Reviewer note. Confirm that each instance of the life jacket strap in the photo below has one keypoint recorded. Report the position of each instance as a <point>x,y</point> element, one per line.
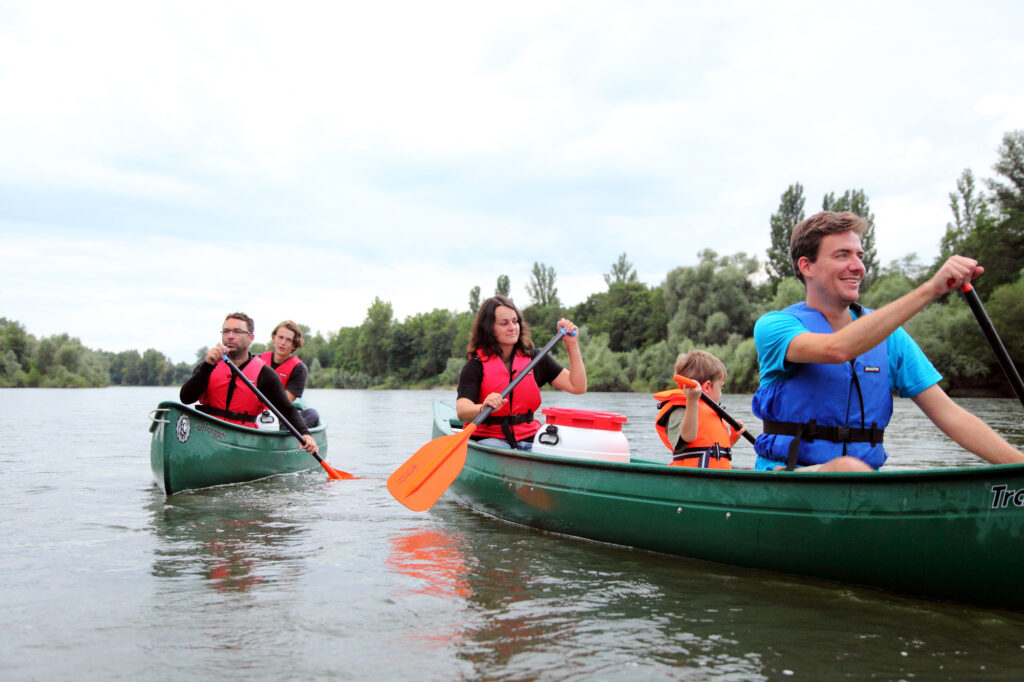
<point>506,422</point>
<point>838,434</point>
<point>510,419</point>
<point>812,430</point>
<point>704,455</point>
<point>227,414</point>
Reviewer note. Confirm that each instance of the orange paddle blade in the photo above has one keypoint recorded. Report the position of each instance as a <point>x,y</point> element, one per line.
<point>424,477</point>
<point>333,473</point>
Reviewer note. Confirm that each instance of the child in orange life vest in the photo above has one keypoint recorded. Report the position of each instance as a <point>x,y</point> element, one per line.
<point>697,437</point>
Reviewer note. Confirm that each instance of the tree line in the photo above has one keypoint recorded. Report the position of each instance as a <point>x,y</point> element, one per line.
<point>631,333</point>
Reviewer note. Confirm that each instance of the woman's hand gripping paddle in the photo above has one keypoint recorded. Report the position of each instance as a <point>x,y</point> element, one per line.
<point>684,382</point>
<point>424,477</point>
<point>331,471</point>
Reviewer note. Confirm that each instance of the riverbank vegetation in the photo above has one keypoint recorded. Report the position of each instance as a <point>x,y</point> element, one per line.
<point>631,333</point>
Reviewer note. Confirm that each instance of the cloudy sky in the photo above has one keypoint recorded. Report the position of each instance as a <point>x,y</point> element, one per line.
<point>163,164</point>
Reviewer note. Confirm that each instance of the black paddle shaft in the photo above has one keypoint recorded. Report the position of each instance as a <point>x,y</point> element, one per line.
<point>724,415</point>
<point>295,431</point>
<point>987,328</point>
<point>486,412</point>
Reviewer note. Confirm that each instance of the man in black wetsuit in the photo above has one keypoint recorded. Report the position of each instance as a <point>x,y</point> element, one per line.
<point>223,395</point>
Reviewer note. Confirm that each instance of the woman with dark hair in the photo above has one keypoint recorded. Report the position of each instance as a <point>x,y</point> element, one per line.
<point>499,348</point>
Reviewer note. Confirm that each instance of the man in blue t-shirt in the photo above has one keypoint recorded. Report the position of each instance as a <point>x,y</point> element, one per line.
<point>828,369</point>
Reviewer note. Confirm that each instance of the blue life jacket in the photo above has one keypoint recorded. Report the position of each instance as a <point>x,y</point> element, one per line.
<point>826,411</point>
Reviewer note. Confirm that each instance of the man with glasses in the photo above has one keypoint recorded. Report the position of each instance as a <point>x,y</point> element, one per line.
<point>222,395</point>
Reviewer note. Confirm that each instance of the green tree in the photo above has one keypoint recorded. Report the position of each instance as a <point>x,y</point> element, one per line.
<point>622,272</point>
<point>375,335</point>
<point>694,294</point>
<point>970,208</point>
<point>999,242</point>
<point>857,202</point>
<point>474,299</point>
<point>630,313</point>
<point>14,338</point>
<point>541,287</point>
<point>502,287</point>
<point>791,211</point>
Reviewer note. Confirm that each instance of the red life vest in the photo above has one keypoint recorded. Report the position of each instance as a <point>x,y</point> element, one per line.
<point>245,406</point>
<point>284,370</point>
<point>522,401</point>
<point>713,434</point>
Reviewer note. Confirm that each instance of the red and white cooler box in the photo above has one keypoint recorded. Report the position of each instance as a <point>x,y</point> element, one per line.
<point>582,434</point>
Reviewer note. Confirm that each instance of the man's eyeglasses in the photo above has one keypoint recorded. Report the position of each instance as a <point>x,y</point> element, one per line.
<point>238,332</point>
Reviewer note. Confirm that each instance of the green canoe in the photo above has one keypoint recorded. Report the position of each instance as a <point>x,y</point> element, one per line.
<point>192,450</point>
<point>952,534</point>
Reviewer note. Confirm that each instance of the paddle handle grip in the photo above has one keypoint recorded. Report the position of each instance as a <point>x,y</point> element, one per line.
<point>719,410</point>
<point>486,412</point>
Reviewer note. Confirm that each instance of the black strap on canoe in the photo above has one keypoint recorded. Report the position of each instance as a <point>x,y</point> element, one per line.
<point>227,414</point>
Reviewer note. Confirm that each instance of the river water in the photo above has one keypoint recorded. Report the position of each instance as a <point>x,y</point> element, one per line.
<point>299,578</point>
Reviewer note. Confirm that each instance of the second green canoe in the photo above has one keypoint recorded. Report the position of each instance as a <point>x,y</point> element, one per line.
<point>191,450</point>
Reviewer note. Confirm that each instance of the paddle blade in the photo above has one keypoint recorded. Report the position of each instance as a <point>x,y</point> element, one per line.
<point>424,477</point>
<point>334,474</point>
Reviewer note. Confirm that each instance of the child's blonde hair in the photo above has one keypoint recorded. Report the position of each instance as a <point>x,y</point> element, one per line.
<point>701,366</point>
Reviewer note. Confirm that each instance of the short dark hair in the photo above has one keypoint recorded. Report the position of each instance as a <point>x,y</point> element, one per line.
<point>808,233</point>
<point>242,316</point>
<point>482,336</point>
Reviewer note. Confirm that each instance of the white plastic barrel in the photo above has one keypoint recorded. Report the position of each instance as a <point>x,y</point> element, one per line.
<point>582,434</point>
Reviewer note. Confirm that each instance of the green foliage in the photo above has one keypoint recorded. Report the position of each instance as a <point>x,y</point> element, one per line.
<point>886,290</point>
<point>1006,309</point>
<point>502,287</point>
<point>694,294</point>
<point>622,272</point>
<point>543,321</point>
<point>969,207</point>
<point>790,291</point>
<point>541,287</point>
<point>949,335</point>
<point>474,299</point>
<point>630,313</point>
<point>375,337</point>
<point>791,211</point>
<point>605,370</point>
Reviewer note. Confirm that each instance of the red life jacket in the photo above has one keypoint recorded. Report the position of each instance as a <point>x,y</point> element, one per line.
<point>284,370</point>
<point>517,415</point>
<point>714,436</point>
<point>244,406</point>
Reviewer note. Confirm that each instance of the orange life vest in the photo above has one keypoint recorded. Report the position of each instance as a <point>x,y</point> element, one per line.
<point>517,414</point>
<point>284,370</point>
<point>244,406</point>
<point>714,436</point>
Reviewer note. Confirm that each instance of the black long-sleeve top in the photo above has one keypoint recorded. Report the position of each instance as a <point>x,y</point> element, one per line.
<point>267,382</point>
